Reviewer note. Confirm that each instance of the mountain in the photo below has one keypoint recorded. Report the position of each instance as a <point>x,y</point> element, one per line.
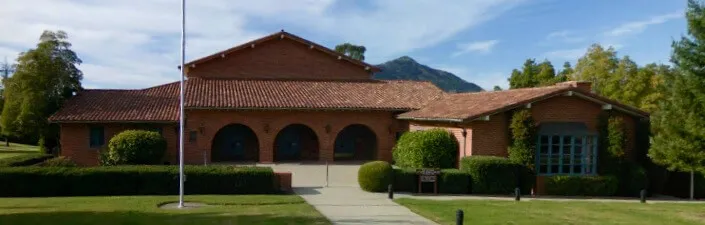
<point>406,68</point>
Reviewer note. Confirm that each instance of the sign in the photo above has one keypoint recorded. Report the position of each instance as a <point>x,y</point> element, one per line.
<point>428,176</point>
<point>428,172</point>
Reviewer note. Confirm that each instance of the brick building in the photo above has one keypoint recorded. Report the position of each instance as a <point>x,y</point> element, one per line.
<point>282,98</point>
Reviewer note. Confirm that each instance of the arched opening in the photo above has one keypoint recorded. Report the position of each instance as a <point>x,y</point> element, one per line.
<point>235,142</point>
<point>296,142</point>
<point>356,142</point>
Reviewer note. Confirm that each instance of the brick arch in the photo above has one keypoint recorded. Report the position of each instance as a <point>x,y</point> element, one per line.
<point>296,142</point>
<point>235,142</point>
<point>355,142</point>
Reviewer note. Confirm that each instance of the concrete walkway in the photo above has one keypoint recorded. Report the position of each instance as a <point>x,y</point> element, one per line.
<point>352,206</point>
<point>339,198</point>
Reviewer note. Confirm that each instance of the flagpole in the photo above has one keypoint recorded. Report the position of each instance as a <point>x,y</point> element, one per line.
<point>181,106</point>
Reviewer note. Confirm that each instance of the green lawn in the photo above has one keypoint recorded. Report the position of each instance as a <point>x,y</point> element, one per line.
<point>225,209</point>
<point>16,149</point>
<point>555,212</point>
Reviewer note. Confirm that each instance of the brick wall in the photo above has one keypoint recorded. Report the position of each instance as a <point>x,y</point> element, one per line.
<point>75,140</point>
<point>267,124</point>
<point>280,59</point>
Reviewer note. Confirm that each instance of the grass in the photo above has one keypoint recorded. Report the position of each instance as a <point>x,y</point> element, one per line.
<point>16,149</point>
<point>556,212</point>
<point>225,209</point>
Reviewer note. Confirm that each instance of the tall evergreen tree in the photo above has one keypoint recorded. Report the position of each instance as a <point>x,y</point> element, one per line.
<point>526,77</point>
<point>679,122</point>
<point>44,77</point>
<point>565,73</point>
<point>547,74</point>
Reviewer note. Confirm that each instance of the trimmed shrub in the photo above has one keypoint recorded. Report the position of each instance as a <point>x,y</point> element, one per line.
<point>24,160</point>
<point>454,181</point>
<point>133,180</point>
<point>405,180</point>
<point>375,176</point>
<point>496,175</point>
<point>61,161</point>
<point>581,185</point>
<point>136,147</point>
<point>434,148</point>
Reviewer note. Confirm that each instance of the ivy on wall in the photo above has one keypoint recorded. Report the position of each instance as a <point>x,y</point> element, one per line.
<point>523,138</point>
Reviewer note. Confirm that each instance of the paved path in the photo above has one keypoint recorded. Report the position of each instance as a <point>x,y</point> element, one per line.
<point>352,206</point>
<point>342,201</point>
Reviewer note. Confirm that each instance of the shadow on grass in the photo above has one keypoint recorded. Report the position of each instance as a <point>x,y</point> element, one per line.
<point>19,151</point>
<point>151,218</point>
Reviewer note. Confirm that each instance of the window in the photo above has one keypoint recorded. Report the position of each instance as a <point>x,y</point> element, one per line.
<point>192,135</point>
<point>566,150</point>
<point>97,136</point>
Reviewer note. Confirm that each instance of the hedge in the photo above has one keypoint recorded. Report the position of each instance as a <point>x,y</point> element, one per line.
<point>581,185</point>
<point>133,180</point>
<point>632,179</point>
<point>61,161</point>
<point>375,176</point>
<point>136,147</point>
<point>496,175</point>
<point>434,148</point>
<point>405,180</point>
<point>24,160</point>
<point>454,181</point>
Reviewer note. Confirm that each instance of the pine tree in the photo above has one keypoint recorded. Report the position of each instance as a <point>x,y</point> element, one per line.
<point>679,122</point>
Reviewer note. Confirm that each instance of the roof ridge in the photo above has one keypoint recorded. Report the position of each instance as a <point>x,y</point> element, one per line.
<point>291,36</point>
<point>517,89</point>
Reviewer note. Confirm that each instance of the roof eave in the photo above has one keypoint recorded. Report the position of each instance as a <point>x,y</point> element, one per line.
<point>454,120</point>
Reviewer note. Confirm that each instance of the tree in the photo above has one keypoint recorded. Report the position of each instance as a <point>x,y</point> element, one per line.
<point>596,66</point>
<point>679,122</point>
<point>44,77</point>
<point>353,51</point>
<point>533,75</point>
<point>566,72</point>
<point>526,77</point>
<point>546,75</point>
<point>497,88</point>
<point>5,70</point>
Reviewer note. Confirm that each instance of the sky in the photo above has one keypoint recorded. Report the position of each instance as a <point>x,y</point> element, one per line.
<point>135,43</point>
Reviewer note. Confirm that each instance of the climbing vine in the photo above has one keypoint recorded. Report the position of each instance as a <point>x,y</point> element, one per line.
<point>523,138</point>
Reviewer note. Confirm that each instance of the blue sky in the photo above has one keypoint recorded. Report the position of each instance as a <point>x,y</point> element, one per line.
<point>134,43</point>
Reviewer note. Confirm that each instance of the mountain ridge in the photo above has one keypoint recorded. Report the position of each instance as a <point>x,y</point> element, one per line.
<point>406,68</point>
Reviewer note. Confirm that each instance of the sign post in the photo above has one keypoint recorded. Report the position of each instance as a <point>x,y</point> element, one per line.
<point>428,176</point>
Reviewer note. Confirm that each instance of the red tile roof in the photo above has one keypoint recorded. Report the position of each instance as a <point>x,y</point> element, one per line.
<point>160,103</point>
<point>469,106</point>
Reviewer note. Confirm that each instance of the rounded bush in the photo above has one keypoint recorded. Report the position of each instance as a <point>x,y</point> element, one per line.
<point>435,148</point>
<point>375,176</point>
<point>136,147</point>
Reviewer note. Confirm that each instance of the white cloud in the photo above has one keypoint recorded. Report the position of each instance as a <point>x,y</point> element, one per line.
<point>565,54</point>
<point>135,43</point>
<point>478,46</point>
<point>639,26</point>
<point>566,36</point>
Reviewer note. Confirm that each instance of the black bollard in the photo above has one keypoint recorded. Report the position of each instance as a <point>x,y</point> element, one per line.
<point>642,196</point>
<point>390,191</point>
<point>517,194</point>
<point>459,217</point>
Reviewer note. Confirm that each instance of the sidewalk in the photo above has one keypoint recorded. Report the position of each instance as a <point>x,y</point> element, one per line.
<point>352,206</point>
